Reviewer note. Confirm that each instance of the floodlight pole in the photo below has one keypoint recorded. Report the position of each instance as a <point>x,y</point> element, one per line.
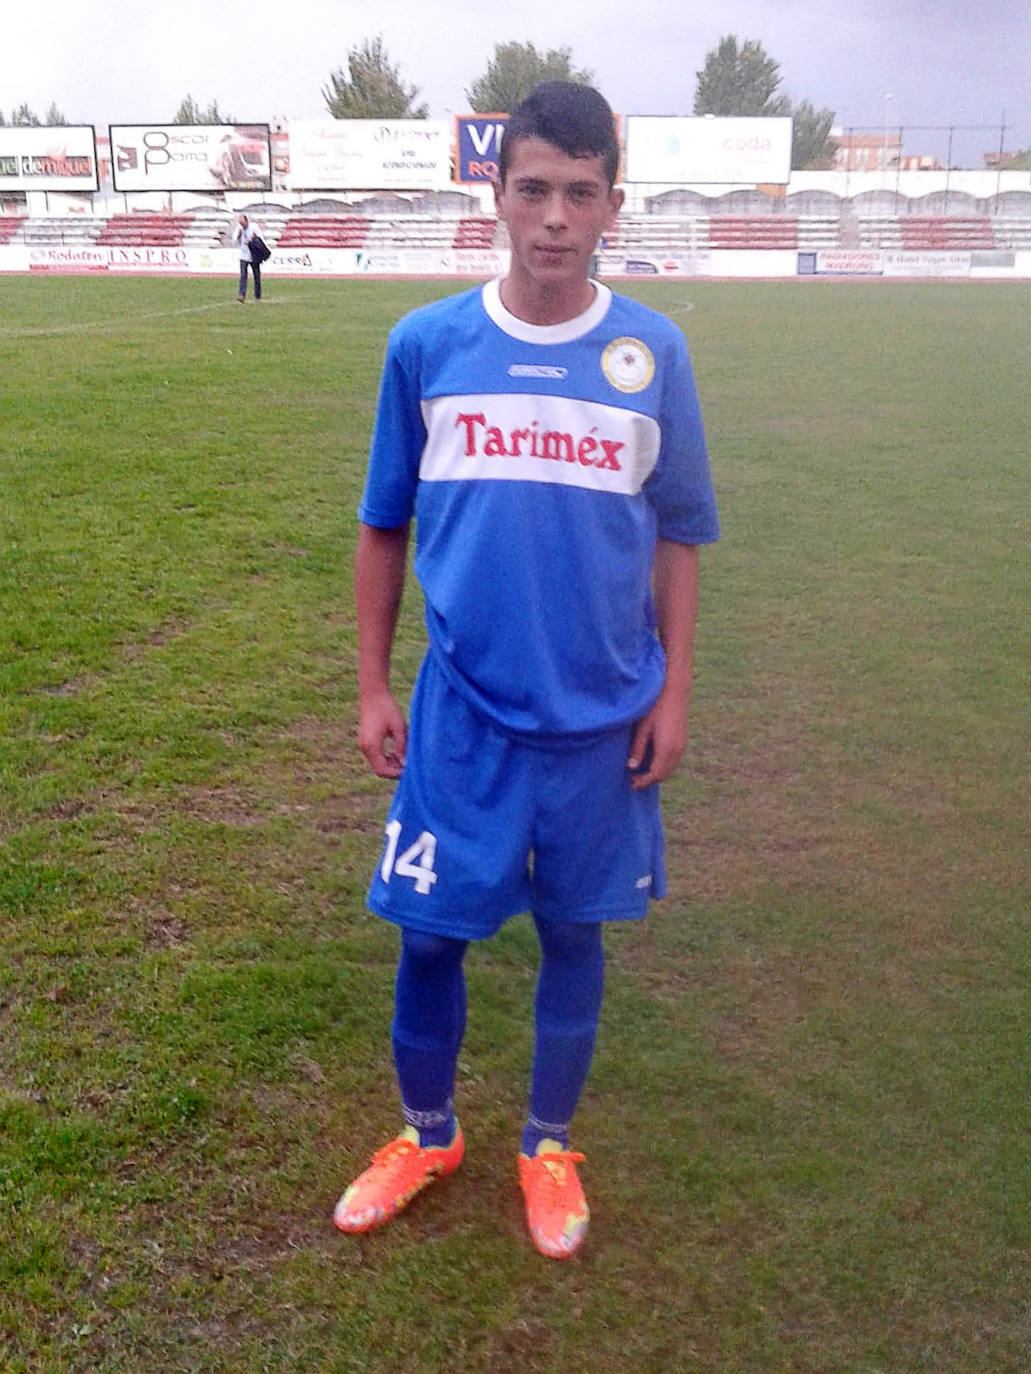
<point>998,170</point>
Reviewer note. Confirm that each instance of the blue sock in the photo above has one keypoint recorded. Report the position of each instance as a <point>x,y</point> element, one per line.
<point>568,1005</point>
<point>429,1022</point>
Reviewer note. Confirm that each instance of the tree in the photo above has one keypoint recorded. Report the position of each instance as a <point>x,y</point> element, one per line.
<point>189,112</point>
<point>373,89</point>
<point>513,72</point>
<point>24,118</point>
<point>739,81</point>
<point>811,143</point>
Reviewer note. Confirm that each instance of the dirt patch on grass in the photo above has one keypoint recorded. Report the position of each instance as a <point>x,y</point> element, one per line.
<point>325,740</point>
<point>172,627</point>
<point>165,931</point>
<point>246,809</point>
<point>222,806</point>
<point>331,777</point>
<point>71,688</point>
<point>211,805</point>
<point>760,818</point>
<point>349,814</point>
<point>773,803</point>
<point>880,856</point>
<point>519,1346</point>
<point>770,999</point>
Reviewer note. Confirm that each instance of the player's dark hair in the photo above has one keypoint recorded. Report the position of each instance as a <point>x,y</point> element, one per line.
<point>571,117</point>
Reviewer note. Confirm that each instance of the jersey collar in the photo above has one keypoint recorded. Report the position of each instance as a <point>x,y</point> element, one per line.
<point>565,332</point>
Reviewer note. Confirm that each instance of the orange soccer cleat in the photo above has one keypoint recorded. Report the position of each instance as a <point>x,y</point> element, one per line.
<point>398,1172</point>
<point>556,1209</point>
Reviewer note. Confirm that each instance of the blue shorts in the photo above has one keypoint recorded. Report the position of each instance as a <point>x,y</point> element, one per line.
<point>484,825</point>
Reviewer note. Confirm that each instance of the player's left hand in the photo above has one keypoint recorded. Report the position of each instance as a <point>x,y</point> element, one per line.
<point>658,742</point>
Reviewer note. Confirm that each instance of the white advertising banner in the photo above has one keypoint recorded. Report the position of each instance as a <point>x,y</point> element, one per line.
<point>369,154</point>
<point>190,157</point>
<point>708,150</point>
<point>847,262</point>
<point>59,259</point>
<point>430,262</point>
<point>72,258</point>
<point>458,262</point>
<point>926,264</point>
<point>648,264</point>
<point>48,159</point>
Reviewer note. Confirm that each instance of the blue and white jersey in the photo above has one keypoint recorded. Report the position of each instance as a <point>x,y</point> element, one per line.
<point>541,463</point>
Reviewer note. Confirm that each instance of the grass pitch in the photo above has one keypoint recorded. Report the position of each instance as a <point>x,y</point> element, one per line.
<point>807,1127</point>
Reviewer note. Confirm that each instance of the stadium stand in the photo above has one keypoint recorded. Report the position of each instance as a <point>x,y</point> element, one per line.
<point>206,229</point>
<point>389,232</point>
<point>657,234</point>
<point>412,231</point>
<point>752,231</point>
<point>673,233</point>
<point>475,232</point>
<point>948,233</point>
<point>680,222</point>
<point>9,226</point>
<point>136,230</point>
<point>1013,232</point>
<point>923,233</point>
<point>77,232</point>
<point>820,231</point>
<point>1010,218</point>
<point>322,231</point>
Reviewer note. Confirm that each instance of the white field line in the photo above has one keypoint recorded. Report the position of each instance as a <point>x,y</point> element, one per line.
<point>100,326</point>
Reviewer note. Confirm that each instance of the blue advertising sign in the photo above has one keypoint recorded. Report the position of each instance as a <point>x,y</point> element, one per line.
<point>479,143</point>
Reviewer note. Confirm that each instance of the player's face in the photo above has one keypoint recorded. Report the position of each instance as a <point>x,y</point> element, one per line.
<point>556,208</point>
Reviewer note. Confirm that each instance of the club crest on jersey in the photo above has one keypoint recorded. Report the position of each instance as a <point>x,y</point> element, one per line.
<point>628,364</point>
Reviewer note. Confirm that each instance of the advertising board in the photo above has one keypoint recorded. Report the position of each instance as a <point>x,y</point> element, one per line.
<point>190,157</point>
<point>369,154</point>
<point>478,144</point>
<point>928,264</point>
<point>48,159</point>
<point>708,150</point>
<point>840,262</point>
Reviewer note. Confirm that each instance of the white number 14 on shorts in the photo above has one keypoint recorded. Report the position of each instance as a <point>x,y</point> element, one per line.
<point>416,862</point>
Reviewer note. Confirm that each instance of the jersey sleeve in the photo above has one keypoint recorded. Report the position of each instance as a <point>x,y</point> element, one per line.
<point>680,487</point>
<point>398,439</point>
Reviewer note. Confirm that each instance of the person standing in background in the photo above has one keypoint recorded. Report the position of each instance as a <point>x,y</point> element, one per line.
<point>242,235</point>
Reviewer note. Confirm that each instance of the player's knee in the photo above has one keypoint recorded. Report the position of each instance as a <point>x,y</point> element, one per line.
<point>431,952</point>
<point>573,940</point>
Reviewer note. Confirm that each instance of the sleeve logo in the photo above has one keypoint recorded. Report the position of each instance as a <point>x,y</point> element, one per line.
<point>628,364</point>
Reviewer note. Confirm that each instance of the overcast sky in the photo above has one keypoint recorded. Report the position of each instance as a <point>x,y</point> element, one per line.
<point>941,62</point>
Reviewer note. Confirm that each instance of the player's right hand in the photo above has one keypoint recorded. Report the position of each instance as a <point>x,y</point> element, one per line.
<point>382,735</point>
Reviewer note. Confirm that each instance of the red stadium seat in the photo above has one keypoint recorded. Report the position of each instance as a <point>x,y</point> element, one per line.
<point>9,226</point>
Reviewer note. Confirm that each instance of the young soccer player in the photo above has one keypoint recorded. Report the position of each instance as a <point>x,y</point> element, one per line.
<point>544,434</point>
